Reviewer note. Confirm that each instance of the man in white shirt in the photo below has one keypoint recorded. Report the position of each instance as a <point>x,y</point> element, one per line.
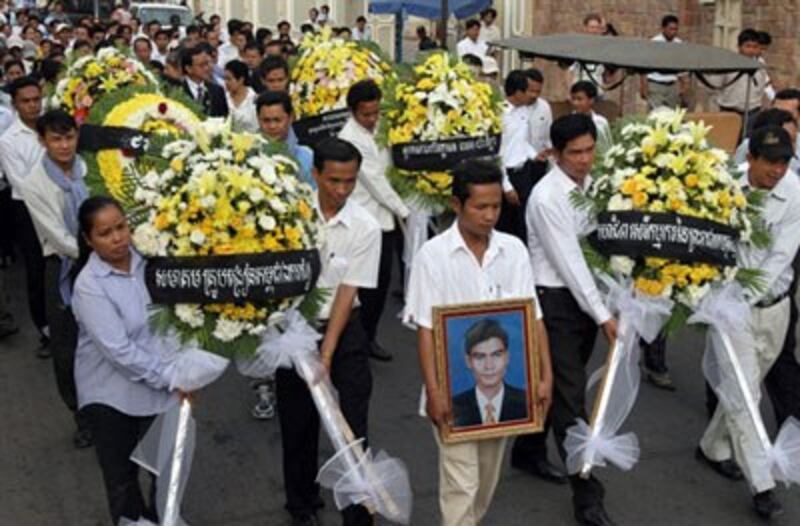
<point>730,435</point>
<point>489,30</point>
<point>734,96</point>
<point>571,302</point>
<point>234,48</point>
<point>53,193</point>
<point>362,33</point>
<point>161,49</point>
<point>20,150</point>
<point>376,195</point>
<point>472,44</point>
<point>664,89</point>
<point>470,262</point>
<point>349,254</point>
<point>582,96</point>
<point>517,153</point>
<point>541,114</point>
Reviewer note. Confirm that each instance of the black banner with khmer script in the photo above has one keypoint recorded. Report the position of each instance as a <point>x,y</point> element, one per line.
<point>94,138</point>
<point>311,130</point>
<point>445,154</point>
<point>232,279</point>
<point>664,235</point>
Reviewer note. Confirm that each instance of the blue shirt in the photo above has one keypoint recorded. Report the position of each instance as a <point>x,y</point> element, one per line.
<point>304,156</point>
<point>119,360</point>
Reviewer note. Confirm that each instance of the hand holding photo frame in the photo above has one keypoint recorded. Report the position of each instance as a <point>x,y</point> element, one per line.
<point>488,364</point>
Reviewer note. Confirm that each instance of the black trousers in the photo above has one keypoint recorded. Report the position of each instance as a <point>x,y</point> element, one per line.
<point>512,218</point>
<point>373,300</point>
<point>655,353</point>
<point>783,380</point>
<point>31,250</point>
<point>115,437</point>
<point>63,339</point>
<point>300,423</point>
<point>572,334</point>
<point>6,223</point>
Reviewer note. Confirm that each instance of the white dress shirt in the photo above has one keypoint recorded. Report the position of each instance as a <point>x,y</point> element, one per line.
<point>226,53</point>
<point>496,403</point>
<point>159,57</point>
<point>490,33</point>
<point>604,138</point>
<point>46,202</point>
<point>244,116</point>
<point>555,228</point>
<point>467,46</point>
<point>446,272</point>
<point>349,252</point>
<point>664,78</point>
<point>515,147</point>
<point>358,36</point>
<point>20,150</point>
<point>781,216</point>
<point>734,95</point>
<point>373,191</point>
<point>6,120</point>
<point>539,122</point>
<point>195,88</point>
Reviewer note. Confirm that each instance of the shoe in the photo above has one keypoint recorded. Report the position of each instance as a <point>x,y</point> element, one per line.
<point>379,353</point>
<point>542,469</point>
<point>660,380</point>
<point>307,519</point>
<point>593,515</point>
<point>727,468</point>
<point>766,505</point>
<point>265,407</point>
<point>82,439</point>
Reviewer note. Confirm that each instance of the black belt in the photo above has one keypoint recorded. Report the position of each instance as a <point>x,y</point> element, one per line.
<point>661,82</point>
<point>765,304</point>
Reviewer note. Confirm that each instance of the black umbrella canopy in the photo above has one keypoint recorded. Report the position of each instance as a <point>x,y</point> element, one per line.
<point>635,54</point>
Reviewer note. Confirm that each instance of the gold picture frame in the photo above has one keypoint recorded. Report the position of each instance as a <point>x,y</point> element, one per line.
<point>491,344</point>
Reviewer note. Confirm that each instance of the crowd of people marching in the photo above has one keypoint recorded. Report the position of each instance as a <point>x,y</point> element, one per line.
<point>516,234</point>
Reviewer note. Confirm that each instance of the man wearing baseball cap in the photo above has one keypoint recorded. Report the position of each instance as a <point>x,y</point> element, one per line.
<point>730,439</point>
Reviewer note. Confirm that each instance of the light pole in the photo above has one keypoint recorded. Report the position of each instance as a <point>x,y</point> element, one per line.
<point>443,22</point>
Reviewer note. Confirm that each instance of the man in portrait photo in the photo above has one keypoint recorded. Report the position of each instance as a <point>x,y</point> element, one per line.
<point>492,400</point>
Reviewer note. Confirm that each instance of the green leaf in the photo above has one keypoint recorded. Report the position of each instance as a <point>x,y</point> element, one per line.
<point>313,302</point>
<point>752,279</point>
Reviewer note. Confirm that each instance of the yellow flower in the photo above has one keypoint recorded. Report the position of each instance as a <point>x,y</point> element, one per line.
<point>639,199</point>
<point>629,187</point>
<point>691,180</point>
<point>176,165</point>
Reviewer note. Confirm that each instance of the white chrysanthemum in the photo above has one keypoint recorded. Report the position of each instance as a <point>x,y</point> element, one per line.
<point>190,314</point>
<point>197,237</point>
<point>267,223</point>
<point>617,203</point>
<point>622,265</point>
<point>227,330</point>
<point>146,239</point>
<point>256,195</point>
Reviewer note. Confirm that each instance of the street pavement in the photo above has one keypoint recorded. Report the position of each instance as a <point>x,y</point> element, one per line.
<point>236,475</point>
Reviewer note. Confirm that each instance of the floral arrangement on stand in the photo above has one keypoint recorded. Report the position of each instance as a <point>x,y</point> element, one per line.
<point>326,68</point>
<point>223,193</point>
<point>439,99</point>
<point>664,165</point>
<point>163,118</point>
<point>92,77</point>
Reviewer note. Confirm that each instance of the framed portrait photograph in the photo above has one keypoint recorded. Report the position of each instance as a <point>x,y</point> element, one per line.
<point>486,358</point>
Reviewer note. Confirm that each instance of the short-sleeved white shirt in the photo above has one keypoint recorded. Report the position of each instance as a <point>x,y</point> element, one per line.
<point>349,252</point>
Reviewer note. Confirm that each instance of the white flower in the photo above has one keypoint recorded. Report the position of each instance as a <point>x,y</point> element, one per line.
<point>256,195</point>
<point>197,237</point>
<point>267,223</point>
<point>617,203</point>
<point>146,239</point>
<point>190,314</point>
<point>622,265</point>
<point>227,330</point>
<point>151,180</point>
<point>208,201</point>
<point>277,205</point>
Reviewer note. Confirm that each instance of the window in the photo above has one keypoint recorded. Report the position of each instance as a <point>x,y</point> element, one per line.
<point>727,23</point>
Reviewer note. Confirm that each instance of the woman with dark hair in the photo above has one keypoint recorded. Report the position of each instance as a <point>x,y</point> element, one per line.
<point>241,97</point>
<point>125,373</point>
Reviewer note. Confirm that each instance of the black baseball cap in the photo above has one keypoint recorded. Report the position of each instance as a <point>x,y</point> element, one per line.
<point>772,143</point>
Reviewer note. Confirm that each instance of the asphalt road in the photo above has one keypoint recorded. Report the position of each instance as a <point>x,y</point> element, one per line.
<point>236,475</point>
